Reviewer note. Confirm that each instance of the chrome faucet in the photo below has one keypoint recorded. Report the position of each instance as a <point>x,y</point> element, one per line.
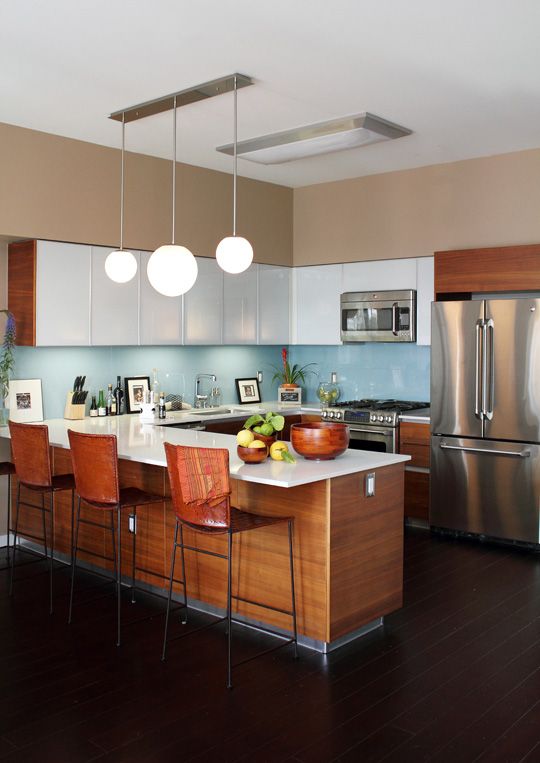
<point>201,401</point>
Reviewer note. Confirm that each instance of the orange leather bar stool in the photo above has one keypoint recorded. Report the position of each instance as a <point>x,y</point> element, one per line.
<point>95,465</point>
<point>200,494</point>
<point>7,468</point>
<point>31,456</point>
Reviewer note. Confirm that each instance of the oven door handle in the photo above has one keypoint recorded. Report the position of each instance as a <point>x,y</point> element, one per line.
<point>371,430</point>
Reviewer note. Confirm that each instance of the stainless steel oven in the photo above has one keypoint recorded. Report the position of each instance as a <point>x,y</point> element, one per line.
<point>380,439</point>
<point>381,316</point>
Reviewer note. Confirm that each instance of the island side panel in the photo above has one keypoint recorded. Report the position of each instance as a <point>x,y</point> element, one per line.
<point>366,549</point>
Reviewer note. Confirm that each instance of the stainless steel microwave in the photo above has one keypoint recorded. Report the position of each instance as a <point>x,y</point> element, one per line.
<point>378,316</point>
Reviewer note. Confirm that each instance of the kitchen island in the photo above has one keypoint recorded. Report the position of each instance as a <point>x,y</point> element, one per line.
<point>348,547</point>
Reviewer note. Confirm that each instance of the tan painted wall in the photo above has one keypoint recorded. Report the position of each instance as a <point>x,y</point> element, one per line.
<point>68,190</point>
<point>492,201</point>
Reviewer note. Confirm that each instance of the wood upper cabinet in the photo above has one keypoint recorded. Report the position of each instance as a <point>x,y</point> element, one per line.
<point>505,268</point>
<point>114,306</point>
<point>22,289</point>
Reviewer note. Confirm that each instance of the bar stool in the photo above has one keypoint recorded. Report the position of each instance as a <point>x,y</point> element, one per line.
<point>31,456</point>
<point>95,465</point>
<point>7,468</point>
<point>200,492</point>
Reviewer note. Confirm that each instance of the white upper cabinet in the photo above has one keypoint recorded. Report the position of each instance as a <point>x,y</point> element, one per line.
<point>160,317</point>
<point>203,305</point>
<point>115,306</point>
<point>274,304</point>
<point>240,307</point>
<point>62,294</point>
<point>379,275</point>
<point>425,285</point>
<point>316,296</point>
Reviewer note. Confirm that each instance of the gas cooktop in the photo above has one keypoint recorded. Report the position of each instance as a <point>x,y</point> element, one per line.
<point>373,412</point>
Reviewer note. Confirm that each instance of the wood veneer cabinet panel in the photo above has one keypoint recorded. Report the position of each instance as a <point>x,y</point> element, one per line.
<point>416,501</point>
<point>507,268</point>
<point>366,550</point>
<point>414,442</point>
<point>22,289</point>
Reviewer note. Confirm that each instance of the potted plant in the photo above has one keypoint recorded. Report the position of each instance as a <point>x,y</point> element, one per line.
<point>7,363</point>
<point>265,428</point>
<point>288,375</point>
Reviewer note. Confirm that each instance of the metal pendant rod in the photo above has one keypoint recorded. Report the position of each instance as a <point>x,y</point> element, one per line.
<point>122,184</point>
<point>235,162</point>
<point>174,172</point>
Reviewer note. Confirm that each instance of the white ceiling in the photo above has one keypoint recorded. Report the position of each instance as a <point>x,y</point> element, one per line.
<point>463,75</point>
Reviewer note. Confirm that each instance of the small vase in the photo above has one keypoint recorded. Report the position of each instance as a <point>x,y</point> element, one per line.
<point>4,415</point>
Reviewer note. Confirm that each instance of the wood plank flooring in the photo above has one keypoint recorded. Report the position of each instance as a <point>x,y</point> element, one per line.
<point>453,676</point>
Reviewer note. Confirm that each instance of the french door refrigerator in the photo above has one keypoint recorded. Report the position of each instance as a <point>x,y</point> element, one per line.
<point>485,418</point>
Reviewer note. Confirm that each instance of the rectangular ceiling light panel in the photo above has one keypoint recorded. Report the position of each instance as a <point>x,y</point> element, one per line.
<point>321,138</point>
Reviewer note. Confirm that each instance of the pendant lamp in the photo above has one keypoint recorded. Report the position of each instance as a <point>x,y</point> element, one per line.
<point>172,270</point>
<point>121,265</point>
<point>234,253</point>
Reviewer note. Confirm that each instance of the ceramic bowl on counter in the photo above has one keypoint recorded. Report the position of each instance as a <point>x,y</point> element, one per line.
<point>252,455</point>
<point>320,440</point>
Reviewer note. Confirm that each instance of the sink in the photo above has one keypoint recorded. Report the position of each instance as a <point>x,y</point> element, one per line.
<point>208,411</point>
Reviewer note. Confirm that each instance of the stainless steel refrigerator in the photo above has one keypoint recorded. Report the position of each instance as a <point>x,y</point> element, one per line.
<point>485,418</point>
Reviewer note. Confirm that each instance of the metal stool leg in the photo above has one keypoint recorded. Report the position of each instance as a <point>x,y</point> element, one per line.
<point>171,576</point>
<point>74,547</point>
<point>8,517</point>
<point>229,608</point>
<point>44,524</point>
<point>118,574</point>
<point>15,539</point>
<point>72,521</point>
<point>184,616</point>
<point>133,550</point>
<point>293,597</point>
<point>51,561</point>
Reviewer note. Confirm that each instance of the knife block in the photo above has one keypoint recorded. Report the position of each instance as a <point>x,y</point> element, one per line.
<point>73,411</point>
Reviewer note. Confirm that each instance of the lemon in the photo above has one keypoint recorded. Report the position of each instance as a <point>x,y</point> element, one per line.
<point>277,449</point>
<point>257,444</point>
<point>245,437</point>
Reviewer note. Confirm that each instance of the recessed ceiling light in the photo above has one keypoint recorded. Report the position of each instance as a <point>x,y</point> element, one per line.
<point>320,138</point>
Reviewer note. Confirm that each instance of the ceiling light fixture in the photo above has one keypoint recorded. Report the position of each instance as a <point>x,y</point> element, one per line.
<point>121,265</point>
<point>172,270</point>
<point>234,254</point>
<point>320,138</point>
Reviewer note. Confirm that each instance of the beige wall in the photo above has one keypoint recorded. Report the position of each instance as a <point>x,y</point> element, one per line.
<point>67,190</point>
<point>492,201</point>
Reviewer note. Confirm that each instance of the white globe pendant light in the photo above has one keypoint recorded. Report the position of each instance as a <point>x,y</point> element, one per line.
<point>172,270</point>
<point>121,265</point>
<point>234,254</point>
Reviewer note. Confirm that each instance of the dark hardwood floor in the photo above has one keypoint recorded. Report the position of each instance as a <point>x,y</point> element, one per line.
<point>453,676</point>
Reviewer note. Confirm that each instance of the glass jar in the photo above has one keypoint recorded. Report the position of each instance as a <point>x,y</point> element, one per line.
<point>328,393</point>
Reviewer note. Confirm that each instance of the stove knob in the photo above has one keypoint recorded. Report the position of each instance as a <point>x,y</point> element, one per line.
<point>324,414</point>
<point>388,419</point>
<point>338,414</point>
<point>330,414</point>
<point>373,417</point>
<point>380,418</point>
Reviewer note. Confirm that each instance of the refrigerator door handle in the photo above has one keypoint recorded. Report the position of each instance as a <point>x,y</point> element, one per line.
<point>489,389</point>
<point>518,454</point>
<point>479,373</point>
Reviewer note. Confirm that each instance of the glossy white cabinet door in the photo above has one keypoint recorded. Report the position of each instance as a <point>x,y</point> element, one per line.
<point>274,304</point>
<point>240,307</point>
<point>203,305</point>
<point>115,306</point>
<point>316,296</point>
<point>425,284</point>
<point>62,294</point>
<point>380,275</point>
<point>160,317</point>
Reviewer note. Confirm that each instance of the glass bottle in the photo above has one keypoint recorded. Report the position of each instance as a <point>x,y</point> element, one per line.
<point>161,407</point>
<point>102,408</point>
<point>118,395</point>
<point>93,407</point>
<point>110,400</point>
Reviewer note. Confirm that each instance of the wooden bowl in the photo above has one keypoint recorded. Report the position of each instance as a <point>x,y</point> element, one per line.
<point>252,455</point>
<point>267,439</point>
<point>320,440</point>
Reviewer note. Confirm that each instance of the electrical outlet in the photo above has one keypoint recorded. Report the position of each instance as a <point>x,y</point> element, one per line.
<point>370,484</point>
<point>132,524</point>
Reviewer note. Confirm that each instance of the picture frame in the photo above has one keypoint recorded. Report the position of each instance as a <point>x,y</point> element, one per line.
<point>248,390</point>
<point>136,389</point>
<point>25,400</point>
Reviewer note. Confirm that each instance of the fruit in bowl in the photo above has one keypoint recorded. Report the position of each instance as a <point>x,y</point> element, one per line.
<point>263,428</point>
<point>255,453</point>
<point>328,393</point>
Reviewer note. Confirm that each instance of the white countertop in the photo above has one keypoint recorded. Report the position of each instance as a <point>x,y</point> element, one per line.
<point>142,442</point>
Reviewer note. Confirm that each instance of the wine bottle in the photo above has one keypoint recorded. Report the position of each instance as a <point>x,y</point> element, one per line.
<point>102,409</point>
<point>161,408</point>
<point>93,407</point>
<point>118,395</point>
<point>110,401</point>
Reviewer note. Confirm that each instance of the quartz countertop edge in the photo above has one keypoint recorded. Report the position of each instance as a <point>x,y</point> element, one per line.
<point>143,443</point>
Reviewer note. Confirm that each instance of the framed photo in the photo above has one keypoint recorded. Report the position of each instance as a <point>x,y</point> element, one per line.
<point>136,389</point>
<point>24,400</point>
<point>248,390</point>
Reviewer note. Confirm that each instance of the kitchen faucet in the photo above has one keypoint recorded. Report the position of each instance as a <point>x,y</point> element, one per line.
<point>201,400</point>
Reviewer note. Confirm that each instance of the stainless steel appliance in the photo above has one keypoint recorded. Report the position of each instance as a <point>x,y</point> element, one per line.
<point>485,418</point>
<point>373,424</point>
<point>378,316</point>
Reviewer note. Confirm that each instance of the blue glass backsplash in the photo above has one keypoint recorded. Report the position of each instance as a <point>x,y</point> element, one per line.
<point>364,370</point>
